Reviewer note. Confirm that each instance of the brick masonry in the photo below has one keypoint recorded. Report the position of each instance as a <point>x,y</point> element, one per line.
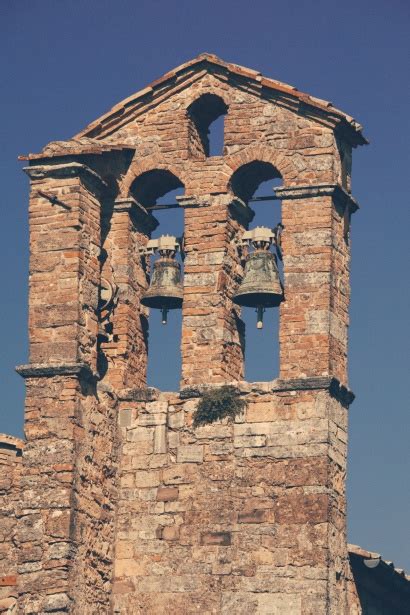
<point>124,507</point>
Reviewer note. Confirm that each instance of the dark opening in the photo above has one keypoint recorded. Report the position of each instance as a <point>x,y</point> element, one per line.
<point>152,185</point>
<point>258,179</point>
<point>206,126</point>
<point>164,341</point>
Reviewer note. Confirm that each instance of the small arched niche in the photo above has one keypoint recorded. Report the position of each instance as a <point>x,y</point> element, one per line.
<point>254,184</point>
<point>206,126</point>
<point>157,190</point>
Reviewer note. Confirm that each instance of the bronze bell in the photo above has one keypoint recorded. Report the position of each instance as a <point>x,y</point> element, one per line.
<point>165,291</point>
<point>261,286</point>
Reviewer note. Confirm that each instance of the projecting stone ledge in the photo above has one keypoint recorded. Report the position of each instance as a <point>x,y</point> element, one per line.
<point>41,370</point>
<point>335,388</point>
<point>317,190</point>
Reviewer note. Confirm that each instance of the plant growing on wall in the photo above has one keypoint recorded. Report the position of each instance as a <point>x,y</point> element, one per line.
<point>218,403</point>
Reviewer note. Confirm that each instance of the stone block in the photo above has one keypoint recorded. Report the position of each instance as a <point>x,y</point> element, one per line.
<point>160,439</point>
<point>167,494</point>
<point>220,539</point>
<point>253,516</point>
<point>190,453</point>
<point>169,532</point>
<point>146,478</point>
<point>176,419</point>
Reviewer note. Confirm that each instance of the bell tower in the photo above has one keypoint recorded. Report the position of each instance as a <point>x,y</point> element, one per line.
<point>129,504</point>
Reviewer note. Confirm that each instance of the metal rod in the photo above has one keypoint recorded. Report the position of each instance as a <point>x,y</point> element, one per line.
<point>176,205</point>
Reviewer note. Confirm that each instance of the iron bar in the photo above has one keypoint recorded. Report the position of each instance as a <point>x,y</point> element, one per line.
<point>176,205</point>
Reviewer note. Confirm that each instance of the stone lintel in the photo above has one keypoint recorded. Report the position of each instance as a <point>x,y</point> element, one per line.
<point>138,214</point>
<point>46,370</point>
<point>317,190</point>
<point>69,169</point>
<point>140,394</point>
<point>326,383</point>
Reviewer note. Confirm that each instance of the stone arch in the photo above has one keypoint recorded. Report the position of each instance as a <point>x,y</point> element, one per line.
<point>263,154</point>
<point>151,185</point>
<point>201,114</point>
<point>140,167</point>
<point>211,88</point>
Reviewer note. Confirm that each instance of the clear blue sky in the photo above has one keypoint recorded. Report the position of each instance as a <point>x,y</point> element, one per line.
<point>65,63</point>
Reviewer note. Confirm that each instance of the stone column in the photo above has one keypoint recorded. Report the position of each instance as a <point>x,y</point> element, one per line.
<point>212,332</point>
<point>66,515</point>
<point>314,316</point>
<point>126,349</point>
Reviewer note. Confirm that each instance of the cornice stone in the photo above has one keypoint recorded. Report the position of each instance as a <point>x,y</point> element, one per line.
<point>47,370</point>
<point>70,169</point>
<point>317,190</point>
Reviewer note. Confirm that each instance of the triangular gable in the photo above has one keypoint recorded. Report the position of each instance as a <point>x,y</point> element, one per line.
<point>187,73</point>
<point>99,136</point>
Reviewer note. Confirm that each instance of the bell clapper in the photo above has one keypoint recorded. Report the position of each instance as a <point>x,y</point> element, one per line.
<point>260,310</point>
<point>164,315</point>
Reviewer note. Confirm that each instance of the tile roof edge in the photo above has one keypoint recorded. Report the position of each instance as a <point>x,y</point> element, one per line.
<point>372,555</point>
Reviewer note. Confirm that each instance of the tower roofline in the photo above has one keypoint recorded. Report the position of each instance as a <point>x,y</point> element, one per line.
<point>258,83</point>
<point>96,138</point>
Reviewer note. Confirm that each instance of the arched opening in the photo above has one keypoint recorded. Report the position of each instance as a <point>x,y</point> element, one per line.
<point>152,185</point>
<point>206,126</point>
<point>157,191</point>
<point>254,183</point>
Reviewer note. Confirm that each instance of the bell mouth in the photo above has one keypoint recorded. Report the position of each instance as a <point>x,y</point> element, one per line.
<point>163,302</point>
<point>254,300</point>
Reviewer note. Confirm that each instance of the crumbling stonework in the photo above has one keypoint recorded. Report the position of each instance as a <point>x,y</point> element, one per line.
<point>124,506</point>
<point>10,468</point>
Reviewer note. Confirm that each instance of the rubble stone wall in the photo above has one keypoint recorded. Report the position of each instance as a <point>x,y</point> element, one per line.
<point>243,517</point>
<point>10,469</point>
<point>66,511</point>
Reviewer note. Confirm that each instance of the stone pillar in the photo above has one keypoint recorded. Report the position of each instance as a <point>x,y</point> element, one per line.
<point>126,349</point>
<point>66,513</point>
<point>64,266</point>
<point>314,316</point>
<point>212,332</point>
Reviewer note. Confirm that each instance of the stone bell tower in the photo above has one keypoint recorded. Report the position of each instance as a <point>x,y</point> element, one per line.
<point>127,507</point>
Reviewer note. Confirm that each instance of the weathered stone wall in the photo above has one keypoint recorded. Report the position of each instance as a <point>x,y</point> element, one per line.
<point>247,517</point>
<point>10,468</point>
<point>66,512</point>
